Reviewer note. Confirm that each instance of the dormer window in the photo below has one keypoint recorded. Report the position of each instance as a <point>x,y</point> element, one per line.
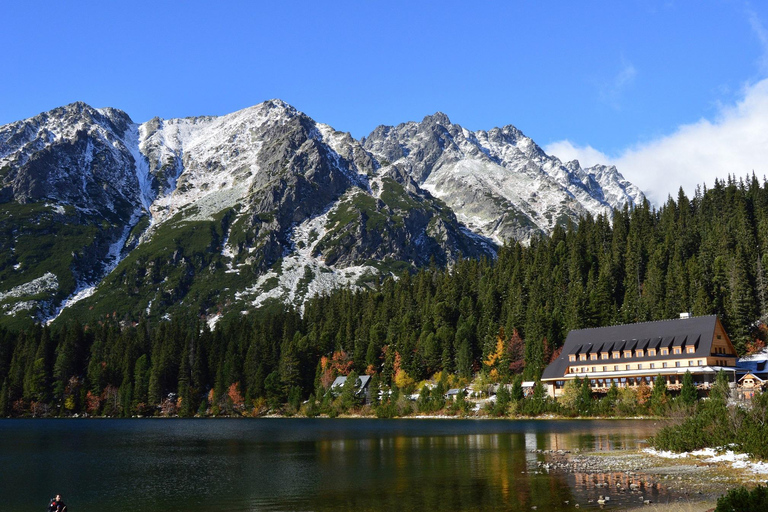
<point>593,357</point>
<point>665,351</point>
<point>616,354</point>
<point>639,353</point>
<point>690,350</point>
<point>651,352</point>
<point>604,355</point>
<point>582,357</point>
<point>627,353</point>
<point>572,357</point>
<point>676,350</point>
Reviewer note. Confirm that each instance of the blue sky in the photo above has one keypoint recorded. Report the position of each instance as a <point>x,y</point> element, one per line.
<point>671,92</point>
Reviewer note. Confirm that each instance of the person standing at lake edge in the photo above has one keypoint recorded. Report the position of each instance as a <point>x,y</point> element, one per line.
<point>57,505</point>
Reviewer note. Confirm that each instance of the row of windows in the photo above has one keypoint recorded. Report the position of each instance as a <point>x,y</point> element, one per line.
<point>637,366</point>
<point>623,381</point>
<point>618,354</point>
<point>632,381</point>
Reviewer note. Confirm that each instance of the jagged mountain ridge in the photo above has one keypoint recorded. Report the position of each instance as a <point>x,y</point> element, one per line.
<point>226,213</point>
<point>499,182</point>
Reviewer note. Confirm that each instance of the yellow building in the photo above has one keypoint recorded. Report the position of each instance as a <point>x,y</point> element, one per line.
<point>627,355</point>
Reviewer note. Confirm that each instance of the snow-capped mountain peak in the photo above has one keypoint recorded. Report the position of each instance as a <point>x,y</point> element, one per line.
<point>500,183</point>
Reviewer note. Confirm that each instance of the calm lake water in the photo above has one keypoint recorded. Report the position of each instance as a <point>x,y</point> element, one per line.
<point>218,465</point>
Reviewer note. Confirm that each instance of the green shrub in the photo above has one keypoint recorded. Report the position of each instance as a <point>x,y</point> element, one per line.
<point>743,500</point>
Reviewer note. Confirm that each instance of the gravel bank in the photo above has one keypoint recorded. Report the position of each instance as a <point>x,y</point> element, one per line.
<point>637,479</point>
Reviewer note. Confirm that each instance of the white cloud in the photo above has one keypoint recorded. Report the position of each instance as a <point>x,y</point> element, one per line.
<point>735,142</point>
<point>566,151</point>
<point>611,91</point>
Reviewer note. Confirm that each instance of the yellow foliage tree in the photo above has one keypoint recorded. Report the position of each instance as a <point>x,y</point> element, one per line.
<point>402,379</point>
<point>495,358</point>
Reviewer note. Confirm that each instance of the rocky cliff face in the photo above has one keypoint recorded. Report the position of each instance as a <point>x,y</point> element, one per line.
<point>223,214</point>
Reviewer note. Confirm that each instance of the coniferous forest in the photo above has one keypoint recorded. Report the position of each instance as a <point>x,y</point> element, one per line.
<point>707,254</point>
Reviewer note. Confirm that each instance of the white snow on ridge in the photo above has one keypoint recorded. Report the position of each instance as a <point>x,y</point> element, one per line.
<point>48,282</point>
<point>529,193</point>
<point>219,156</point>
<point>17,307</point>
<point>146,194</point>
<point>301,269</point>
<point>484,174</point>
<point>341,144</point>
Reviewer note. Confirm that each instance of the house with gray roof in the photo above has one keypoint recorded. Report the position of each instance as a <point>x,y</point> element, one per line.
<point>628,355</point>
<point>362,389</point>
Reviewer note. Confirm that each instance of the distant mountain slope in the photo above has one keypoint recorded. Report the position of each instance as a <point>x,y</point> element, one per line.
<point>223,214</point>
<point>499,183</point>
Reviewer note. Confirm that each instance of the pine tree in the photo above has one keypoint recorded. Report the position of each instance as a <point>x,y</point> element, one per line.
<point>659,397</point>
<point>584,404</point>
<point>140,381</point>
<point>688,392</point>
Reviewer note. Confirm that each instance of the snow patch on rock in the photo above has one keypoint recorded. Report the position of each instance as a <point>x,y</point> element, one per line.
<point>302,275</point>
<point>48,282</point>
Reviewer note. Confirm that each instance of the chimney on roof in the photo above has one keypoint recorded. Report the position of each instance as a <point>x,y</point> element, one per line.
<point>684,316</point>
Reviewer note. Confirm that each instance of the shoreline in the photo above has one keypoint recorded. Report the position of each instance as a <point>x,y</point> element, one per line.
<point>543,417</point>
<point>690,482</point>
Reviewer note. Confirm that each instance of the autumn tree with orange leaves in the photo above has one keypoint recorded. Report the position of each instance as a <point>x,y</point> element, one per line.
<point>339,364</point>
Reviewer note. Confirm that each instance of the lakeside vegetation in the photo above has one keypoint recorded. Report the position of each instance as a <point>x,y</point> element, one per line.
<point>720,423</point>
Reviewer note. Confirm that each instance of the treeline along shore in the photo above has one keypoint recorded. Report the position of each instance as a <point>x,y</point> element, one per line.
<point>494,323</point>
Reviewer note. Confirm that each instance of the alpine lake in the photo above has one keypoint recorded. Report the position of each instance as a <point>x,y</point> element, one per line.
<point>281,464</point>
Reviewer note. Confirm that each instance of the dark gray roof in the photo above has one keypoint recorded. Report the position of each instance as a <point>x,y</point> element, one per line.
<point>697,331</point>
<point>361,384</point>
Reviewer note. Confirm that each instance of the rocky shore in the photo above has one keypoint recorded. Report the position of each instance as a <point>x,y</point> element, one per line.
<point>625,480</point>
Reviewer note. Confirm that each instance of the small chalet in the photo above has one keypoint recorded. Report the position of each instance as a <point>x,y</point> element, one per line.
<point>755,375</point>
<point>750,383</point>
<point>362,389</point>
<point>627,355</point>
<point>453,393</point>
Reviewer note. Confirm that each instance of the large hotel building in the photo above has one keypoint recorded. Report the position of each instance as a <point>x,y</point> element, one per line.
<point>627,355</point>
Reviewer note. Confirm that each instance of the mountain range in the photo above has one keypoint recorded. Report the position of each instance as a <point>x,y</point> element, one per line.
<point>220,215</point>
